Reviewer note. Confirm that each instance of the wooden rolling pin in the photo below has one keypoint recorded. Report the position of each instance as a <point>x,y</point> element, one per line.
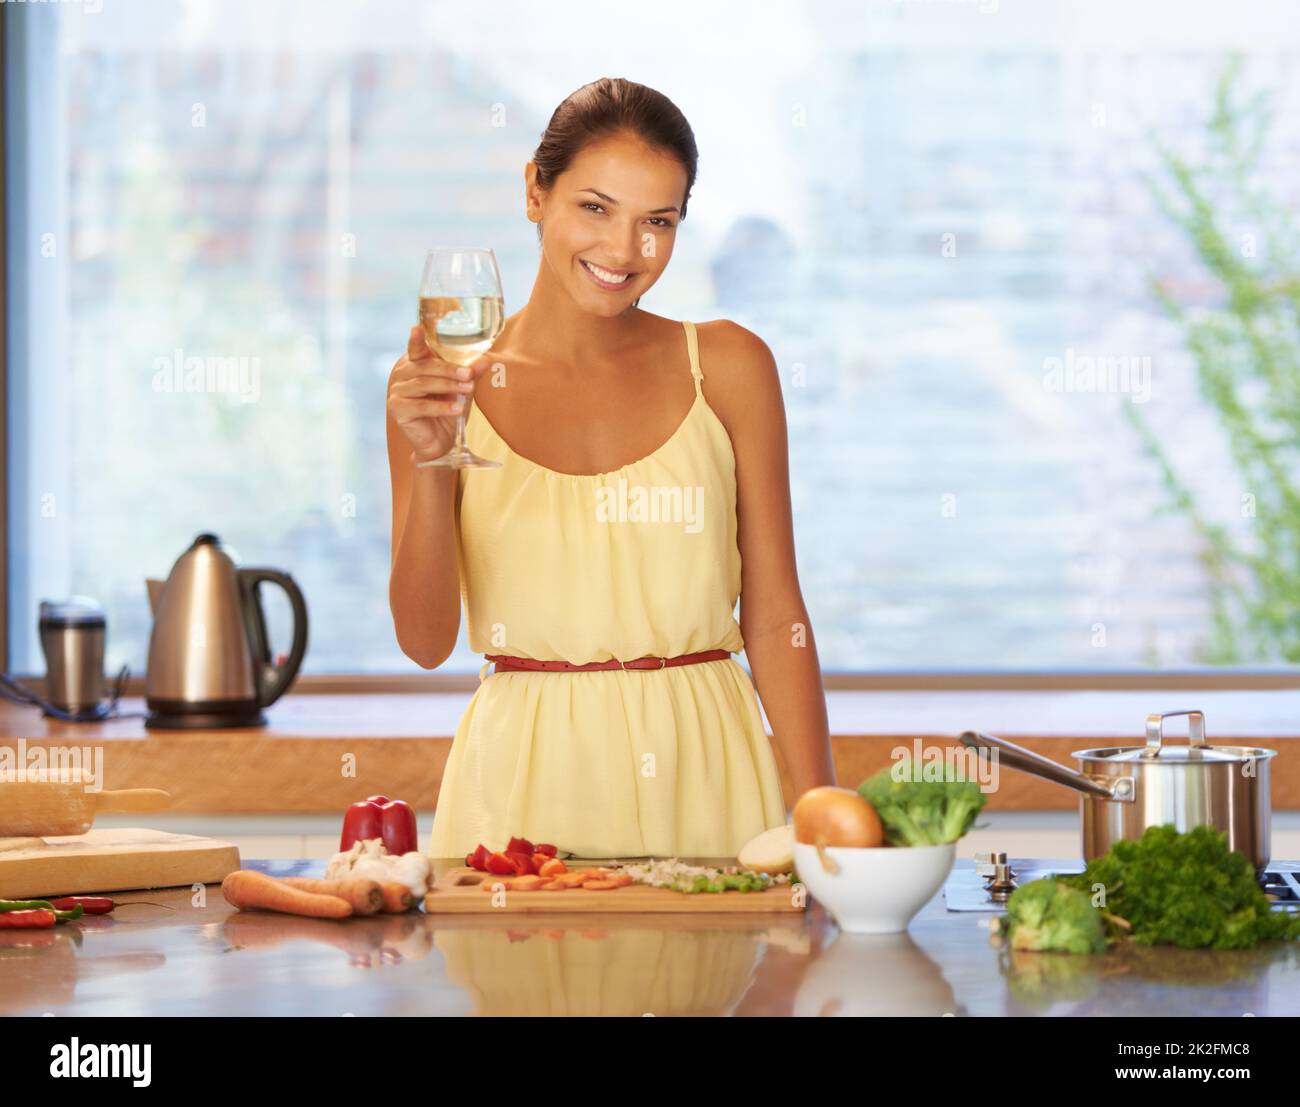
<point>45,809</point>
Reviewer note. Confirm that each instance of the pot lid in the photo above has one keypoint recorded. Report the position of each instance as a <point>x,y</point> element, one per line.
<point>1175,754</point>
<point>1197,748</point>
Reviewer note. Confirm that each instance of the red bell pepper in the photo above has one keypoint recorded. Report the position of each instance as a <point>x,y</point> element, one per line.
<point>398,822</point>
<point>391,821</point>
<point>479,858</point>
<point>542,847</point>
<point>361,821</point>
<point>520,845</point>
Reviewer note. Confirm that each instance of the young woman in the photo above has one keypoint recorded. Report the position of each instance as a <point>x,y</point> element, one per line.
<point>644,462</point>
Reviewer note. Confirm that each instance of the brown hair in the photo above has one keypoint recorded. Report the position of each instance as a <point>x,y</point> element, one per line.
<point>606,107</point>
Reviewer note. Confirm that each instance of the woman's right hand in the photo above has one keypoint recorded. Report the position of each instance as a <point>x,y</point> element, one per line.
<point>425,395</point>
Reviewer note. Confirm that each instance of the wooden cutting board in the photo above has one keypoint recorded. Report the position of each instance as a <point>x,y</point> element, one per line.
<point>111,860</point>
<point>457,892</point>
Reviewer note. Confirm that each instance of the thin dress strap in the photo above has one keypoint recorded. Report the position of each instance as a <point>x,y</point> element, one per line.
<point>693,348</point>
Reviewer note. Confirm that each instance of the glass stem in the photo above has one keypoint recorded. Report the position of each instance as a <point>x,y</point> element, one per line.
<point>459,447</point>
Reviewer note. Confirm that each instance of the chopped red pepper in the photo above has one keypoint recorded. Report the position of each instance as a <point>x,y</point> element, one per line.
<point>523,861</point>
<point>501,865</point>
<point>519,858</point>
<point>520,845</point>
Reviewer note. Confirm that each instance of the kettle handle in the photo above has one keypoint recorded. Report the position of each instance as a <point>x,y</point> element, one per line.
<point>268,691</point>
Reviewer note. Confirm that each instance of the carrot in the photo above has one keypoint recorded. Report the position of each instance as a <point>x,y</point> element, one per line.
<point>397,898</point>
<point>601,885</point>
<point>364,895</point>
<point>571,880</point>
<point>245,888</point>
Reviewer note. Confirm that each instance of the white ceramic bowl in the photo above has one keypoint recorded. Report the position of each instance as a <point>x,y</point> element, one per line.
<point>876,891</point>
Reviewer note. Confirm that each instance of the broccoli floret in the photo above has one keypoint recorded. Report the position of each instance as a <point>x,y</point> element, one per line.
<point>1047,915</point>
<point>918,810</point>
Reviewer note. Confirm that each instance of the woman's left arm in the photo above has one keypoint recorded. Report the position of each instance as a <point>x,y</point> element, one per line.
<point>742,375</point>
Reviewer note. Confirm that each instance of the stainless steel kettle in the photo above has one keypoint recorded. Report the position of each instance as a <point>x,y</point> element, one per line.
<point>209,659</point>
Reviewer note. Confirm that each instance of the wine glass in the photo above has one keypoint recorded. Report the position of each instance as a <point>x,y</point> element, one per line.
<point>462,311</point>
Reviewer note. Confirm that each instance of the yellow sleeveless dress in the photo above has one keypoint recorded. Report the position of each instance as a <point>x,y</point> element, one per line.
<point>641,561</point>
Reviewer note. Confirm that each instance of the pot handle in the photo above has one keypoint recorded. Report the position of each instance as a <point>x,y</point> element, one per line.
<point>1155,731</point>
<point>1017,757</point>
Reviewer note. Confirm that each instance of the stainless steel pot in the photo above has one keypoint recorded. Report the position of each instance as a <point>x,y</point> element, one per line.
<point>1126,789</point>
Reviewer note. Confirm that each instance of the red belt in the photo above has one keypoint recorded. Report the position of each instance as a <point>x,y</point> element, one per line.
<point>505,664</point>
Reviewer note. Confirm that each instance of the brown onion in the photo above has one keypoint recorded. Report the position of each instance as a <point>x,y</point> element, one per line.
<point>830,816</point>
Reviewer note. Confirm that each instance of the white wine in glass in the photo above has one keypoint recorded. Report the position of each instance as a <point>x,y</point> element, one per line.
<point>462,311</point>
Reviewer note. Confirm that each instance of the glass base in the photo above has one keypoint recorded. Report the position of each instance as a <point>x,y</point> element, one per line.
<point>464,458</point>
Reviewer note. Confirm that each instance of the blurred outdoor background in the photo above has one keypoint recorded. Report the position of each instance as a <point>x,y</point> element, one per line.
<point>1028,269</point>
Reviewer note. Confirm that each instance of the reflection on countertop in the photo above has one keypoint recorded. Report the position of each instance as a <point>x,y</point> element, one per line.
<point>178,952</point>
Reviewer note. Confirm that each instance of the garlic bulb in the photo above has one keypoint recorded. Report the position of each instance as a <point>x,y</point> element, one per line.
<point>369,860</point>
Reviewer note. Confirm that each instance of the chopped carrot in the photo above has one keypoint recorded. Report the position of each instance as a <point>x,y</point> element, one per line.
<point>553,867</point>
<point>601,885</point>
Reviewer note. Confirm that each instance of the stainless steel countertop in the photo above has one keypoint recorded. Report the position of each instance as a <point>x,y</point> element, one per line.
<point>163,953</point>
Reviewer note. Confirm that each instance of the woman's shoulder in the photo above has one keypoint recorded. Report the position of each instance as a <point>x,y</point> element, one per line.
<point>741,380</point>
<point>732,346</point>
<point>734,359</point>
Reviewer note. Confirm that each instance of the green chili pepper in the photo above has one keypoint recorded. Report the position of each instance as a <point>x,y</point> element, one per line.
<point>41,905</point>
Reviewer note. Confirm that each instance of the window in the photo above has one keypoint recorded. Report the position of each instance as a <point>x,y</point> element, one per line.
<point>937,215</point>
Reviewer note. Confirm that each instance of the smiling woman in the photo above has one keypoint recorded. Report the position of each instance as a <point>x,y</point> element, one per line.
<point>635,113</point>
<point>617,722</point>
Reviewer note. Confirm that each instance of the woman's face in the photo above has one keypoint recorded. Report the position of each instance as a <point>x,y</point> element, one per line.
<point>615,208</point>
